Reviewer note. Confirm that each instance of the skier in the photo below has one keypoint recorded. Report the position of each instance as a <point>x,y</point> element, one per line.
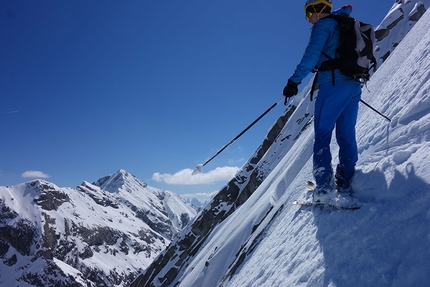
<point>336,105</point>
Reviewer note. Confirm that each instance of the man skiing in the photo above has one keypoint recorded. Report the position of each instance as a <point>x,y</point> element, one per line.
<point>336,105</point>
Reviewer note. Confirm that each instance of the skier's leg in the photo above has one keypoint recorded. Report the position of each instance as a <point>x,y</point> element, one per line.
<point>346,139</point>
<point>324,121</point>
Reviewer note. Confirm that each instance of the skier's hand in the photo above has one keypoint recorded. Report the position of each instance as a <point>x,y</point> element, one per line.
<point>290,90</point>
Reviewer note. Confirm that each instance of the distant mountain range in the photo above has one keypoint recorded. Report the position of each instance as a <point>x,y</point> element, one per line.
<point>97,234</point>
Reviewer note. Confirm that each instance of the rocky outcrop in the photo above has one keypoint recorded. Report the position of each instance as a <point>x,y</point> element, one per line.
<point>393,28</point>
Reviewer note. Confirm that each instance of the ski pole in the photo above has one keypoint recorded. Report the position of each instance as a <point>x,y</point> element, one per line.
<point>199,167</point>
<point>375,110</point>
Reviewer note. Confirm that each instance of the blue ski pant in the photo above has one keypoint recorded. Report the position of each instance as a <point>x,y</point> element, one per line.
<point>336,106</point>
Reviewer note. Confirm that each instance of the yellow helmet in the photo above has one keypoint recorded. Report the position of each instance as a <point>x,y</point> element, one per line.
<point>316,2</point>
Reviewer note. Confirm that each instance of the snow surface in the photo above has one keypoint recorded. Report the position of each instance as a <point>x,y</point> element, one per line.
<point>386,242</point>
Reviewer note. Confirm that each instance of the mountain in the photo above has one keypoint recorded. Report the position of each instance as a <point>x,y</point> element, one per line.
<point>195,202</point>
<point>250,234</point>
<point>398,22</point>
<point>97,234</point>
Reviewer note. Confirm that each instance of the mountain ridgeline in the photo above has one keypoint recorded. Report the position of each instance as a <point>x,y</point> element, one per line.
<point>97,234</point>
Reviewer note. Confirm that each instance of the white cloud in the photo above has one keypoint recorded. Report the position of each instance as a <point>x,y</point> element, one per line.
<point>34,174</point>
<point>185,176</point>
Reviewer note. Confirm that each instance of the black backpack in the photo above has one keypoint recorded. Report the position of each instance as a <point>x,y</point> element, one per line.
<point>354,56</point>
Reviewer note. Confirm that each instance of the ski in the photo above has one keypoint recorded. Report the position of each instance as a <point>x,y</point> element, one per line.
<point>310,186</point>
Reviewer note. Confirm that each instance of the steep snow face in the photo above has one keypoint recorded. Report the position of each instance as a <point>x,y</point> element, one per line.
<point>267,241</point>
<point>99,234</point>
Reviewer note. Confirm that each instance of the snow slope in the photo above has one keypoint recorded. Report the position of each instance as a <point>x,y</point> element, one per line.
<point>267,241</point>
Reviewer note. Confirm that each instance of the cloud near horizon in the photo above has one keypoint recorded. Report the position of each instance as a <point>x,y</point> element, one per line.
<point>185,176</point>
<point>34,174</point>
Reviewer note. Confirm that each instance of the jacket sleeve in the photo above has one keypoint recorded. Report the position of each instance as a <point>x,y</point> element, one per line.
<point>320,36</point>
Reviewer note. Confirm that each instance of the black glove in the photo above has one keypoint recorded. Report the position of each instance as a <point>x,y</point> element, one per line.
<point>290,90</point>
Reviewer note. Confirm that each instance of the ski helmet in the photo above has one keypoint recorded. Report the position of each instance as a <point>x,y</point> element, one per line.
<point>316,2</point>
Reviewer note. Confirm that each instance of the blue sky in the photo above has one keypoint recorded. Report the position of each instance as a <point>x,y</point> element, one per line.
<point>152,87</point>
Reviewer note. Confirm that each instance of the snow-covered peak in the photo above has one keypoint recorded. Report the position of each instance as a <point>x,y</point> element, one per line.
<point>121,180</point>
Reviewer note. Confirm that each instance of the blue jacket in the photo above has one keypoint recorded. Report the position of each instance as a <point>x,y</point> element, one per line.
<point>324,37</point>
